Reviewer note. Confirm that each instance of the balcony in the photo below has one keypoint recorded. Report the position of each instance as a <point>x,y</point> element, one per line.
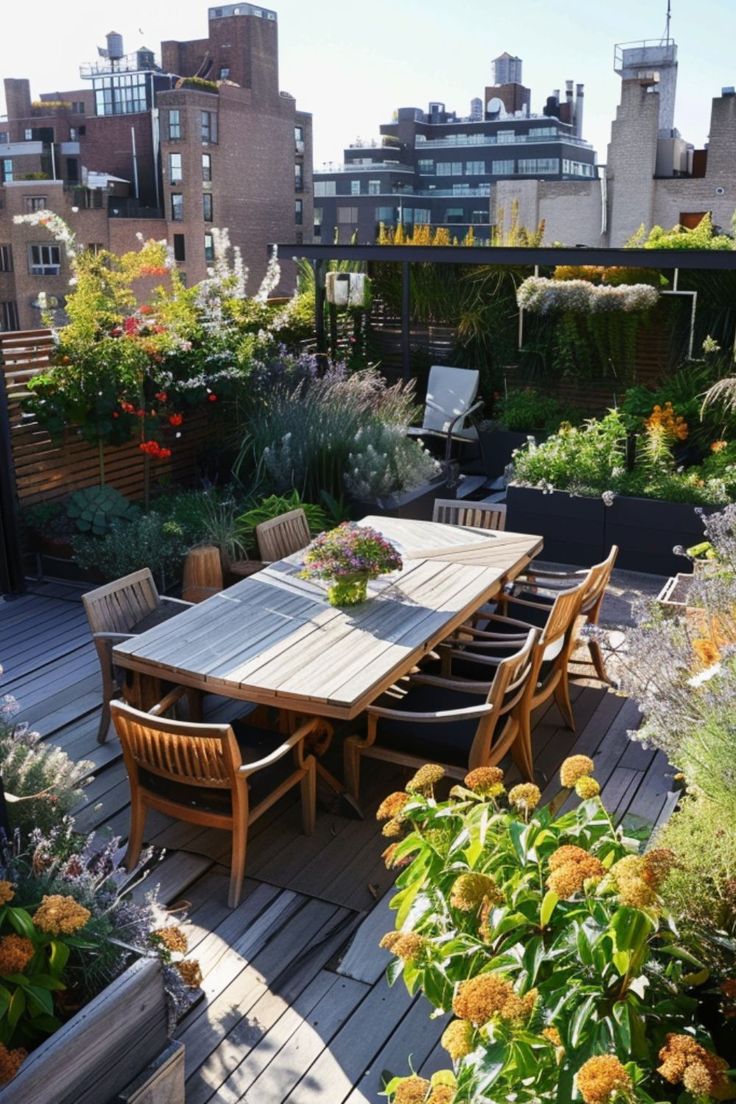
<point>497,140</point>
<point>123,207</point>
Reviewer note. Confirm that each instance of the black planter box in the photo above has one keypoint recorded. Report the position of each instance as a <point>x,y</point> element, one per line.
<point>416,505</point>
<point>572,526</point>
<point>497,447</point>
<point>647,529</point>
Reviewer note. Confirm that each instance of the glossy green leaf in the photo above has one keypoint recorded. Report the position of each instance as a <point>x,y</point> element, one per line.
<point>549,903</point>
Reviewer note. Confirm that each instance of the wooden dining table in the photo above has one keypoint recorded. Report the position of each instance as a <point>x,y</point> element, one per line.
<point>273,639</point>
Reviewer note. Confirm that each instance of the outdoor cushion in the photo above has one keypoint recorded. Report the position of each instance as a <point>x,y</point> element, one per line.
<point>444,741</point>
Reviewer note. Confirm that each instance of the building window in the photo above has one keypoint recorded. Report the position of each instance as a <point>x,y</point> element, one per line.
<point>180,249</point>
<point>475,168</point>
<point>576,168</point>
<point>177,207</point>
<point>44,260</point>
<point>355,187</point>
<point>122,94</point>
<point>506,136</point>
<point>324,188</point>
<point>209,248</point>
<point>3,137</point>
<point>224,72</point>
<point>174,124</point>
<point>72,170</point>
<point>374,187</point>
<point>28,134</point>
<point>299,212</point>
<point>503,168</point>
<point>209,126</point>
<point>35,203</point>
<point>299,139</point>
<point>95,248</point>
<point>449,168</point>
<point>479,216</point>
<point>8,316</point>
<point>455,214</point>
<point>385,214</point>
<point>175,173</point>
<point>421,215</point>
<point>299,178</point>
<point>73,134</point>
<point>318,222</point>
<point>426,168</point>
<point>207,167</point>
<point>347,214</point>
<point>207,207</point>
<point>7,173</point>
<point>539,165</point>
<point>6,258</point>
<point>78,107</point>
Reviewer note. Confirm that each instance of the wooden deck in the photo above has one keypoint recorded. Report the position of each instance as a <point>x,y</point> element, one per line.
<point>296,1008</point>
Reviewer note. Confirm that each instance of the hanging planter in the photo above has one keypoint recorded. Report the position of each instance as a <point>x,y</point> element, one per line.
<point>347,289</point>
<point>539,295</point>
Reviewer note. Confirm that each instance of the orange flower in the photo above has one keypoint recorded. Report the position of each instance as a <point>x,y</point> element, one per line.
<point>602,1079</point>
<point>10,1063</point>
<point>686,1062</point>
<point>718,446</point>
<point>15,953</point>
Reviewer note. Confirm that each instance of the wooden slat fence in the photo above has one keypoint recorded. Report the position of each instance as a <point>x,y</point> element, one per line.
<point>46,470</point>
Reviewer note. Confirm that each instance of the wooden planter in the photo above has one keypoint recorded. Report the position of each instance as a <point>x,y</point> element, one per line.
<point>572,526</point>
<point>673,597</point>
<point>97,1053</point>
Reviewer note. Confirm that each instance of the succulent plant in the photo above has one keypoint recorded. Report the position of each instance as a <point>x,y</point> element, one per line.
<point>93,509</point>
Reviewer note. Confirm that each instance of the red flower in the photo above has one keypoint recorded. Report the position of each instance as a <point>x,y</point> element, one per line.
<point>115,414</point>
<point>146,309</point>
<point>130,326</point>
<point>164,453</point>
<point>176,419</point>
<point>162,396</point>
<point>140,413</point>
<point>127,407</point>
<point>116,331</point>
<point>212,397</point>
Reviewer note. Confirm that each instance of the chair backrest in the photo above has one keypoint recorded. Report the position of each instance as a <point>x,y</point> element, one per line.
<point>557,634</point>
<point>118,606</point>
<point>283,535</point>
<point>597,580</point>
<point>509,684</point>
<point>194,754</point>
<point>450,391</point>
<point>477,515</point>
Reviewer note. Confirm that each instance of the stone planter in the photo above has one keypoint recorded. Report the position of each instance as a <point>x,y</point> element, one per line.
<point>101,1049</point>
<point>572,526</point>
<point>416,505</point>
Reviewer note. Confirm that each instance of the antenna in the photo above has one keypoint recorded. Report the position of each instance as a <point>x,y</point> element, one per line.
<point>669,21</point>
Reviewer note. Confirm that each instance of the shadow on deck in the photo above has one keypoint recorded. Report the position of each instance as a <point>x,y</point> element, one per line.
<point>295,1008</point>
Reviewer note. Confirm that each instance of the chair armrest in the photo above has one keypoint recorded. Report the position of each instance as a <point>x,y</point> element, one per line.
<point>278,753</point>
<point>112,637</point>
<point>483,634</point>
<point>466,685</point>
<point>166,601</point>
<point>477,657</point>
<point>438,717</point>
<point>166,702</point>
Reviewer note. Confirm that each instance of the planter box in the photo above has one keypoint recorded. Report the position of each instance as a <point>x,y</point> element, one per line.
<point>497,447</point>
<point>647,529</point>
<point>674,594</point>
<point>572,526</point>
<point>416,505</point>
<point>97,1053</point>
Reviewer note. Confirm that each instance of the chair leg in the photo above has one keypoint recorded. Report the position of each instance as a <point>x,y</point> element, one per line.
<point>104,728</point>
<point>308,787</point>
<point>562,698</point>
<point>521,749</point>
<point>596,654</point>
<point>237,864</point>
<point>351,765</point>
<point>138,812</point>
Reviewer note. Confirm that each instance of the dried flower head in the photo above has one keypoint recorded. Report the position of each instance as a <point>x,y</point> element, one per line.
<point>480,998</point>
<point>526,796</point>
<point>571,867</point>
<point>391,806</point>
<point>457,1039</point>
<point>441,1094</point>
<point>425,778</point>
<point>389,857</point>
<point>575,767</point>
<point>635,881</point>
<point>485,781</point>
<point>658,865</point>
<point>15,953</point>
<point>191,973</point>
<point>173,939</point>
<point>683,1058</point>
<point>60,915</point>
<point>412,1090</point>
<point>10,1062</point>
<point>392,828</point>
<point>409,946</point>
<point>469,891</point>
<point>602,1079</point>
<point>552,1035</point>
<point>7,892</point>
<point>587,787</point>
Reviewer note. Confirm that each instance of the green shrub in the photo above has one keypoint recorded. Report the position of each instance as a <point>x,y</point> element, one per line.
<point>151,542</point>
<point>274,506</point>
<point>526,409</point>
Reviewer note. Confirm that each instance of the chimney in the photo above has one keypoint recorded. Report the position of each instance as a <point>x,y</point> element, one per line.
<point>568,91</point>
<point>579,94</point>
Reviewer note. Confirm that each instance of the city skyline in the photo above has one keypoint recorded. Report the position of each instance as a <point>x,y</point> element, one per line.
<point>330,59</point>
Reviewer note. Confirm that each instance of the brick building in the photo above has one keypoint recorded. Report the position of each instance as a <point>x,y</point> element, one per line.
<point>204,139</point>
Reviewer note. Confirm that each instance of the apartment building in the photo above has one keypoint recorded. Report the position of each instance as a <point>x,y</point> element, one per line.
<point>171,149</point>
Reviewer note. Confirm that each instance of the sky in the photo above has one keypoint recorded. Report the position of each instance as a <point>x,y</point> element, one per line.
<point>351,63</point>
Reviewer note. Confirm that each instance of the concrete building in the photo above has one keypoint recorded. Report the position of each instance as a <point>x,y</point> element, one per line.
<point>436,167</point>
<point>204,139</point>
<point>652,175</point>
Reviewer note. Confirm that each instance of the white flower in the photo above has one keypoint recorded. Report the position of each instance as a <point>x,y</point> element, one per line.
<point>704,676</point>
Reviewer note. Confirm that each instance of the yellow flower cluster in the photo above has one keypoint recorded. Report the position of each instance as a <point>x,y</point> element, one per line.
<point>552,1035</point>
<point>412,1090</point>
<point>587,787</point>
<point>391,806</point>
<point>637,878</point>
<point>425,778</point>
<point>7,892</point>
<point>574,768</point>
<point>10,1062</point>
<point>59,915</point>
<point>441,1094</point>
<point>173,939</point>
<point>392,828</point>
<point>664,420</point>
<point>603,1079</point>
<point>526,796</point>
<point>190,972</point>
<point>15,953</point>
<point>457,1039</point>
<point>570,868</point>
<point>480,998</point>
<point>485,781</point>
<point>407,946</point>
<point>471,890</point>
<point>686,1062</point>
<point>719,445</point>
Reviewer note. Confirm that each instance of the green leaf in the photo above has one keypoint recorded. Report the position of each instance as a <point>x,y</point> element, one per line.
<point>631,928</point>
<point>582,1020</point>
<point>549,903</point>
<point>58,956</point>
<point>16,1007</point>
<point>46,981</point>
<point>621,960</point>
<point>40,1002</point>
<point>622,1026</point>
<point>4,1000</point>
<point>22,923</point>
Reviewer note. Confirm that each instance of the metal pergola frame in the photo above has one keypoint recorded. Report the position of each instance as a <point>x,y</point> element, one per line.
<point>675,260</point>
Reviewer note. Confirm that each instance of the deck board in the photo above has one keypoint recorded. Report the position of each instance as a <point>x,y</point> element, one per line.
<point>296,1009</point>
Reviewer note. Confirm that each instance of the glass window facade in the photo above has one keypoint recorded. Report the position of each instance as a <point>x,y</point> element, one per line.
<point>374,187</point>
<point>475,168</point>
<point>355,187</point>
<point>6,258</point>
<point>180,249</point>
<point>122,93</point>
<point>502,168</point>
<point>347,214</point>
<point>7,170</point>
<point>425,167</point>
<point>324,188</point>
<point>449,168</point>
<point>538,165</point>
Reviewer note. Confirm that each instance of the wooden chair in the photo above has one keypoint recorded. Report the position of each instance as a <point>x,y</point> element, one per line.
<point>526,591</point>
<point>441,721</point>
<point>476,515</point>
<point>203,774</point>
<point>283,535</point>
<point>113,612</point>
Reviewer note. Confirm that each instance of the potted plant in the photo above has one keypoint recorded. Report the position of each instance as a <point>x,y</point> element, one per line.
<point>347,557</point>
<point>520,414</point>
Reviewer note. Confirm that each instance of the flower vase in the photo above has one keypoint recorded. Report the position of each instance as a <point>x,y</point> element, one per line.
<point>350,590</point>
